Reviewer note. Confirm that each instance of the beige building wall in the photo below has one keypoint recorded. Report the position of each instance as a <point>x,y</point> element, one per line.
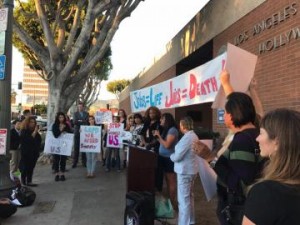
<point>35,89</point>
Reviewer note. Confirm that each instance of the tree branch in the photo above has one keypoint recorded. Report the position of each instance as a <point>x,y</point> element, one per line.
<point>75,25</point>
<point>53,50</point>
<point>79,45</point>
<point>32,44</point>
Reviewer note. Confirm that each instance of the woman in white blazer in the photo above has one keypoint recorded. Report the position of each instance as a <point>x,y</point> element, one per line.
<point>186,167</point>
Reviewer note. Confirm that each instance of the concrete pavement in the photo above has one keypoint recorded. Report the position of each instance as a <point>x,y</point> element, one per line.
<point>77,200</point>
<point>82,201</point>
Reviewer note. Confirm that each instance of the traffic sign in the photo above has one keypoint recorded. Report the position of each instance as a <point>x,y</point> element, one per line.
<point>220,114</point>
<point>2,66</point>
<point>2,42</point>
<point>3,19</point>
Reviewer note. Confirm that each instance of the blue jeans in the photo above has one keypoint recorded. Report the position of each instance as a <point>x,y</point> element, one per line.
<point>91,159</point>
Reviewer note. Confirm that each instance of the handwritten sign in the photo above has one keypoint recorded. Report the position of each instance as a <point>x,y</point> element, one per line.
<point>61,146</point>
<point>3,19</point>
<point>90,139</point>
<point>196,86</point>
<point>114,135</point>
<point>3,140</point>
<point>102,117</point>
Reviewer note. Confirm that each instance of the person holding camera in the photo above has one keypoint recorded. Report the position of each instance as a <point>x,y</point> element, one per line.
<point>30,149</point>
<point>275,198</point>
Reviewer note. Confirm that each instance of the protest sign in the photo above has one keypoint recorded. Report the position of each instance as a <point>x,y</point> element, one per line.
<point>90,139</point>
<point>207,175</point>
<point>102,117</point>
<point>114,133</point>
<point>198,85</point>
<point>3,141</point>
<point>241,65</point>
<point>61,146</point>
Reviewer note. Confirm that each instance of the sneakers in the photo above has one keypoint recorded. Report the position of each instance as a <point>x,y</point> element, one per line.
<point>56,178</point>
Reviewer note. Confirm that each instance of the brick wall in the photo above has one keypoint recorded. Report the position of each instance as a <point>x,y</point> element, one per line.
<point>277,71</point>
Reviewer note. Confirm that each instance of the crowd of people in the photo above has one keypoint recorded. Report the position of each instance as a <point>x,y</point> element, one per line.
<point>257,166</point>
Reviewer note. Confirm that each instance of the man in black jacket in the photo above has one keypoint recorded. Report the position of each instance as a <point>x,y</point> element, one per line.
<point>81,117</point>
<point>15,146</point>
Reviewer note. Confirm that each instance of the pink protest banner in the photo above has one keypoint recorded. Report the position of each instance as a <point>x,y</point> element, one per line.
<point>114,135</point>
<point>3,141</point>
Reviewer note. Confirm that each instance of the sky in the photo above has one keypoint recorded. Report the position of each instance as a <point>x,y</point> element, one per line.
<point>145,33</point>
<point>140,37</point>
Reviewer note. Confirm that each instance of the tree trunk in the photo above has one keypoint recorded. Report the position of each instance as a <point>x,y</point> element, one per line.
<point>54,94</point>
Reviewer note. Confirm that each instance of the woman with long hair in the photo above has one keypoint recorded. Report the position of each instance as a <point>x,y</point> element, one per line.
<point>59,127</point>
<point>275,198</point>
<point>151,123</point>
<point>30,149</point>
<point>91,157</point>
<point>167,139</point>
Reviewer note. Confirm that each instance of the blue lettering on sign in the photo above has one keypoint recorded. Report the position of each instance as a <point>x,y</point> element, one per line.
<point>143,101</point>
<point>2,66</point>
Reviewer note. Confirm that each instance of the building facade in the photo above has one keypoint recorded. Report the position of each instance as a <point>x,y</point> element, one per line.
<point>34,90</point>
<point>269,29</point>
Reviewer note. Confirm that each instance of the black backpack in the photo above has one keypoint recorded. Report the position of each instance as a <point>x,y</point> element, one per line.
<point>24,195</point>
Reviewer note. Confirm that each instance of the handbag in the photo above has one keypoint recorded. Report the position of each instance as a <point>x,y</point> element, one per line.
<point>163,207</point>
<point>234,211</point>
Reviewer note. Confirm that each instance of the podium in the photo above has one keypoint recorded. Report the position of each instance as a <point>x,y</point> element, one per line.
<point>141,169</point>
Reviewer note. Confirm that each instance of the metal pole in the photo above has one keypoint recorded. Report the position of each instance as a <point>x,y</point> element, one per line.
<point>5,104</point>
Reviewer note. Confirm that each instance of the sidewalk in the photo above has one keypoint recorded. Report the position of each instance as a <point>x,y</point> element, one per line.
<point>82,201</point>
<point>76,201</point>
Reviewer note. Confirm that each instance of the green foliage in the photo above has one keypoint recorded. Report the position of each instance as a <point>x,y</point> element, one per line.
<point>32,26</point>
<point>40,109</point>
<point>117,86</point>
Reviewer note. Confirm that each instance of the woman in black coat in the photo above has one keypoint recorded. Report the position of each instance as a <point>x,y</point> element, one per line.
<point>30,149</point>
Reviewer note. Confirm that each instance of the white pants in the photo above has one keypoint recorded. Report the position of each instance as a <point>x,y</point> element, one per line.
<point>185,195</point>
